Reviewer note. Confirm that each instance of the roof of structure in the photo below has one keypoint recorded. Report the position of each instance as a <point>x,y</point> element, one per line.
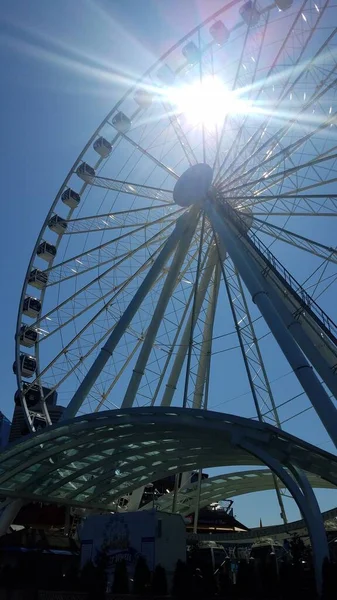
<point>91,460</point>
<point>227,485</point>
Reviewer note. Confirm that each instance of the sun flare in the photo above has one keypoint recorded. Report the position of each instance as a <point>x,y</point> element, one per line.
<point>207,102</point>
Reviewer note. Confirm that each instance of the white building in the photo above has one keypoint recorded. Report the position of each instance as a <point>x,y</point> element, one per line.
<point>158,536</point>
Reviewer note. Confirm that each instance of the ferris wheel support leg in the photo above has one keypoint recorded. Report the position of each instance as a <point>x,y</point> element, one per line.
<point>253,279</point>
<point>199,398</point>
<point>158,315</point>
<point>308,347</point>
<point>183,346</point>
<point>8,515</point>
<point>316,532</point>
<point>125,320</point>
<point>301,491</point>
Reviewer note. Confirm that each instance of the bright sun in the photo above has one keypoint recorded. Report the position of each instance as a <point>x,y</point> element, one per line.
<point>207,102</point>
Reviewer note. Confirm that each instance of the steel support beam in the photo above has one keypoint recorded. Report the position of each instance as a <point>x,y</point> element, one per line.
<point>206,345</point>
<point>183,347</point>
<point>253,279</point>
<point>125,320</point>
<point>305,499</point>
<point>8,515</point>
<point>158,315</point>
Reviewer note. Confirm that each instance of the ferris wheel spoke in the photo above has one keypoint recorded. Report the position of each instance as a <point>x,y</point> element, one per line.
<point>200,294</point>
<point>134,189</point>
<point>284,153</point>
<point>58,317</point>
<point>75,359</point>
<point>300,188</point>
<point>276,137</point>
<point>118,219</point>
<point>104,253</point>
<point>273,161</point>
<point>280,183</point>
<point>150,156</point>
<point>280,176</point>
<point>131,284</point>
<point>80,297</point>
<point>234,86</point>
<point>179,132</point>
<point>115,380</point>
<point>201,79</point>
<point>200,396</point>
<point>117,289</point>
<point>172,347</point>
<point>146,285</point>
<point>269,75</point>
<point>248,83</point>
<point>255,368</point>
<point>311,205</point>
<point>153,365</point>
<point>169,285</point>
<point>294,239</point>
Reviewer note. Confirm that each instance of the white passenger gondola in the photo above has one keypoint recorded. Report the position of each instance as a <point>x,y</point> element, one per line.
<point>46,251</point>
<point>143,98</point>
<point>38,278</point>
<point>28,336</point>
<point>27,365</point>
<point>33,395</point>
<point>39,421</point>
<point>71,198</point>
<point>166,75</point>
<point>57,224</point>
<point>31,307</point>
<point>219,33</point>
<point>249,13</point>
<point>191,53</point>
<point>102,147</point>
<point>85,172</point>
<point>283,4</point>
<point>121,122</point>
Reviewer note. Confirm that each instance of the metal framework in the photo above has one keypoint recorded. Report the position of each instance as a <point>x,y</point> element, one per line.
<point>140,284</point>
<point>263,161</point>
<point>225,485</point>
<point>91,460</point>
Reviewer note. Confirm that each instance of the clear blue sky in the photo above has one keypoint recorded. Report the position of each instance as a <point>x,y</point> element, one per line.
<point>60,64</point>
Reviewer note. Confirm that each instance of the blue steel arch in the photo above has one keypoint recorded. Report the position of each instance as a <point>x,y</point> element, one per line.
<point>91,460</point>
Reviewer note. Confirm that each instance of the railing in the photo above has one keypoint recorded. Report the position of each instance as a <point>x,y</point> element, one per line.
<point>257,532</point>
<point>291,284</point>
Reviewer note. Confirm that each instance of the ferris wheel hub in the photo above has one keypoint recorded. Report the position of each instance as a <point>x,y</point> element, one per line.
<point>193,185</point>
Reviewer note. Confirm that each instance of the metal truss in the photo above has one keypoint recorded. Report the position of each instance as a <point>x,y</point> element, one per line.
<point>226,485</point>
<point>134,189</point>
<point>256,372</point>
<point>273,294</point>
<point>90,461</point>
<point>299,241</point>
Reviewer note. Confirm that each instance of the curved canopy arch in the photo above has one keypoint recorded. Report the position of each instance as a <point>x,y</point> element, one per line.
<point>92,460</point>
<point>227,485</point>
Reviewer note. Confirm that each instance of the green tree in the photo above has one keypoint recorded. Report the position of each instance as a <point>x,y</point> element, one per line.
<point>329,580</point>
<point>88,577</point>
<point>159,581</point>
<point>181,586</point>
<point>121,579</point>
<point>142,577</point>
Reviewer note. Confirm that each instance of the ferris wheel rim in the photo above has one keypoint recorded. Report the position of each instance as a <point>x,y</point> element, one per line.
<point>81,155</point>
<point>64,186</point>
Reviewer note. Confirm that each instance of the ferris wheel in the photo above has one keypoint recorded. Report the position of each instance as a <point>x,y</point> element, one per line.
<point>188,257</point>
